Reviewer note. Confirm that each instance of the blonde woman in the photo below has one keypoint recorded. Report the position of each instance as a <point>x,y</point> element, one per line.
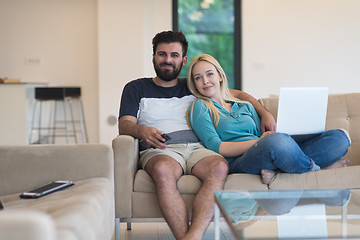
<point>231,127</point>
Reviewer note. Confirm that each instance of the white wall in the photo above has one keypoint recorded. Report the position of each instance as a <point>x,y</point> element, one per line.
<point>300,43</point>
<point>101,45</point>
<point>126,29</point>
<point>54,42</point>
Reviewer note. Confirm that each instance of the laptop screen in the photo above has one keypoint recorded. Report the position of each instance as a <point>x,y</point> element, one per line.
<point>302,110</point>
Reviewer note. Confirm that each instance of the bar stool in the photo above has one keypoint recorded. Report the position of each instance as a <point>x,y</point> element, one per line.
<point>56,95</point>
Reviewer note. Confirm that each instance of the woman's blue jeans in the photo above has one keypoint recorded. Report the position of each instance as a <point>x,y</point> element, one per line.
<point>279,151</point>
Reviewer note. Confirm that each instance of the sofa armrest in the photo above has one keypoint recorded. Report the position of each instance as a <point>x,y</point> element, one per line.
<point>25,167</point>
<point>126,157</point>
<point>26,224</point>
<point>270,104</point>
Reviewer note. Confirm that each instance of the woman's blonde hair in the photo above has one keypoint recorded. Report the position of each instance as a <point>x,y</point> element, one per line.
<point>225,93</point>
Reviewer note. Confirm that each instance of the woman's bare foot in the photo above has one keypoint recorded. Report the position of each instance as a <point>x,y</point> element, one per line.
<point>343,162</point>
<point>267,176</point>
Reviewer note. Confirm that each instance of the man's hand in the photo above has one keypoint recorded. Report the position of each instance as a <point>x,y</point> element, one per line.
<point>152,136</point>
<point>268,122</point>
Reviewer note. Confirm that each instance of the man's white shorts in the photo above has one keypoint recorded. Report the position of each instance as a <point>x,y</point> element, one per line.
<point>187,155</point>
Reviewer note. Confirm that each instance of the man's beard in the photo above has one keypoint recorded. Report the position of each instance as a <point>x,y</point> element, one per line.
<point>167,74</point>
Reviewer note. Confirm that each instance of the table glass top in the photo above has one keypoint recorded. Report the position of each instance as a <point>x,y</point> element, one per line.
<point>325,213</point>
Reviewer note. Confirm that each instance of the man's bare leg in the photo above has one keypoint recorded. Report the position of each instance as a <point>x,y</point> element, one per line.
<point>212,171</point>
<point>165,172</point>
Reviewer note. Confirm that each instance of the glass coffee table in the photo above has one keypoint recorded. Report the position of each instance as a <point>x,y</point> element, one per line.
<point>290,214</point>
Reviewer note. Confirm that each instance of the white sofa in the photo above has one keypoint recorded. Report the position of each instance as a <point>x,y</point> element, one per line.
<point>84,211</point>
<point>135,194</point>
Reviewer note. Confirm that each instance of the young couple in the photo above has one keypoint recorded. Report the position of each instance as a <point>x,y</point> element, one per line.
<point>241,131</point>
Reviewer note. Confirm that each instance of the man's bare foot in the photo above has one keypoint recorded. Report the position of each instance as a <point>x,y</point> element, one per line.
<point>343,162</point>
<point>267,176</point>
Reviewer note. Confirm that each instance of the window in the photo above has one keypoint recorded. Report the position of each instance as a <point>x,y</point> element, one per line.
<point>212,27</point>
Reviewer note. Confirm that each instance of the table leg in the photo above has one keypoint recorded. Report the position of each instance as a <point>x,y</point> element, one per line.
<point>217,221</point>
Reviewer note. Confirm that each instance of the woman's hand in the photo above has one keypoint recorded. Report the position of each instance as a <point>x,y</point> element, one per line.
<point>266,133</point>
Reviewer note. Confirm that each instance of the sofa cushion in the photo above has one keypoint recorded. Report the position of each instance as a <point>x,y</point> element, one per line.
<point>83,211</point>
<point>20,164</point>
<point>345,177</point>
<point>34,225</point>
<point>244,182</point>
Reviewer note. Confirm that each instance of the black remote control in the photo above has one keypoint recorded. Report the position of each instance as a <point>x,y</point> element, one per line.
<point>167,137</point>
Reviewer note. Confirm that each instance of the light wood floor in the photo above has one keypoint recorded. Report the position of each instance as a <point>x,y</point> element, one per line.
<point>161,231</point>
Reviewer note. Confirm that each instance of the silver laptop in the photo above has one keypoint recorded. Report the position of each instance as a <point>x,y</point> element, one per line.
<point>302,111</point>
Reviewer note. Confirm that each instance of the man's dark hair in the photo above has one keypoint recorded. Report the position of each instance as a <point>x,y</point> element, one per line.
<point>170,37</point>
